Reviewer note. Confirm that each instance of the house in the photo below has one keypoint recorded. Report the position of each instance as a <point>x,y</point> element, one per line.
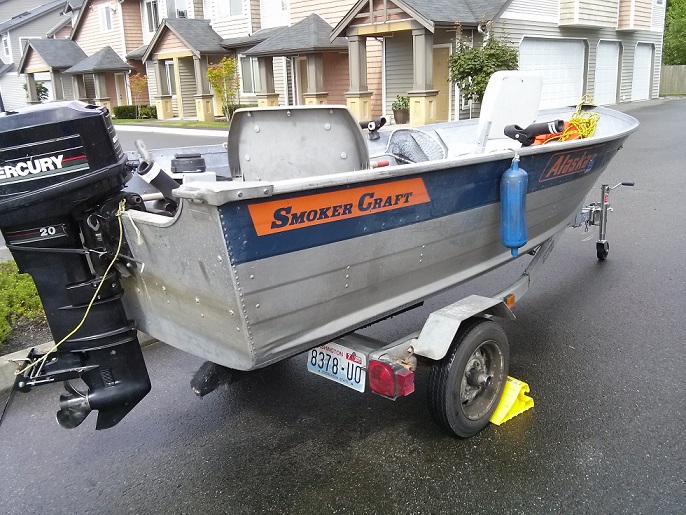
<point>610,49</point>
<point>20,22</point>
<point>101,24</point>
<point>49,57</point>
<point>177,58</point>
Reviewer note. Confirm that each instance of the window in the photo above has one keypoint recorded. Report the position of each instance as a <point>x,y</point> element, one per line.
<point>177,9</point>
<point>6,46</point>
<point>105,17</point>
<point>284,5</point>
<point>230,8</point>
<point>152,15</point>
<point>171,79</point>
<point>250,75</point>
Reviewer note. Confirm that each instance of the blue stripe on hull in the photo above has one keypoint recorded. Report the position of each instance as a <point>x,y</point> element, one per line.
<point>451,191</point>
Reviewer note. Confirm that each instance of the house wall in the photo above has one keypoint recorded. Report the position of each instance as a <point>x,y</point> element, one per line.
<point>188,88</point>
<point>133,28</point>
<point>111,88</point>
<point>642,11</point>
<point>35,62</point>
<point>589,12</point>
<point>63,33</point>
<point>197,9</point>
<point>374,76</point>
<point>337,77</point>
<point>91,37</point>
<point>331,10</point>
<point>515,28</point>
<point>169,43</point>
<point>230,26</point>
<point>13,92</point>
<point>272,15</point>
<point>34,29</point>
<point>399,75</point>
<point>256,22</point>
<point>152,82</point>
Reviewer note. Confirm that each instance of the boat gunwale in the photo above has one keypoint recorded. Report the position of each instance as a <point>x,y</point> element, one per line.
<point>211,193</point>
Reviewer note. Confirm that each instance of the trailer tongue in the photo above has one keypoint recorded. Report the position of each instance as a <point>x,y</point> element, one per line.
<point>61,177</point>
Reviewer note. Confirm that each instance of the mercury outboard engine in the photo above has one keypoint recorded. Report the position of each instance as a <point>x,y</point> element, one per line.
<point>62,172</point>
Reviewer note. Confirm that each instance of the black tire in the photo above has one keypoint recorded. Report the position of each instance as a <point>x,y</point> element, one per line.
<point>602,248</point>
<point>456,403</point>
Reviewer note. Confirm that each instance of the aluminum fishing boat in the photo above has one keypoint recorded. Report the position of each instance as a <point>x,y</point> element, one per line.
<point>299,231</point>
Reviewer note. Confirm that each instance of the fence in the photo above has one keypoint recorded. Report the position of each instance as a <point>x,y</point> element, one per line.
<point>673,80</point>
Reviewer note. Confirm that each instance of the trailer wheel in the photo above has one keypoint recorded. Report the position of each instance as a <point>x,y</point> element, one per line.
<point>466,385</point>
<point>602,248</point>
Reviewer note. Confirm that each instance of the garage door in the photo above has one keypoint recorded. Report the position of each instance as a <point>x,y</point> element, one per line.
<point>643,65</point>
<point>561,63</point>
<point>606,72</point>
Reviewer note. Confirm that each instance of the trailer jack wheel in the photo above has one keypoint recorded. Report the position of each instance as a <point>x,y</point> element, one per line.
<point>602,248</point>
<point>466,385</point>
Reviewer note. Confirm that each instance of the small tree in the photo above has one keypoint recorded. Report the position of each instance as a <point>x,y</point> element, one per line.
<point>225,82</point>
<point>138,84</point>
<point>472,67</point>
<point>42,93</point>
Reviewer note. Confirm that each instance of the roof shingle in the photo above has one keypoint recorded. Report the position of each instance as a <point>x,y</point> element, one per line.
<point>307,36</point>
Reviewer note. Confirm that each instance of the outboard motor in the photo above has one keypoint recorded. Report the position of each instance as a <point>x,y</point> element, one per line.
<point>62,172</point>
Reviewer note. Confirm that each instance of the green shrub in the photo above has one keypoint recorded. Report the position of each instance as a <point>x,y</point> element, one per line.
<point>18,298</point>
<point>127,112</point>
<point>147,111</point>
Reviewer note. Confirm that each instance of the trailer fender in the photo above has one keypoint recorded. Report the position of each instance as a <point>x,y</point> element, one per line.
<point>441,327</point>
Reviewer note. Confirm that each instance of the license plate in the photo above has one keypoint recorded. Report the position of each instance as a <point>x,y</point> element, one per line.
<point>339,364</point>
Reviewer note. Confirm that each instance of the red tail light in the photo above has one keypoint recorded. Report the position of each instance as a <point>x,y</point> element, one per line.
<point>390,379</point>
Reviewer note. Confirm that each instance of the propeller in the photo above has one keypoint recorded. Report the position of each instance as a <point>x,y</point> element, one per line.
<point>74,407</point>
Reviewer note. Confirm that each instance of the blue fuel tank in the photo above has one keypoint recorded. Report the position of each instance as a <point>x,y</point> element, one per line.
<point>513,186</point>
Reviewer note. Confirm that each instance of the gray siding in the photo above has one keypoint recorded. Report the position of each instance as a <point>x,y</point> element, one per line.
<point>13,92</point>
<point>398,67</point>
<point>188,89</point>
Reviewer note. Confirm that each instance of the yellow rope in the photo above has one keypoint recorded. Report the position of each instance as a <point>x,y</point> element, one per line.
<point>582,125</point>
<point>120,211</point>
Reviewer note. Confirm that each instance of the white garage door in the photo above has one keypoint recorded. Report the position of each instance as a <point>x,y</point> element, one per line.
<point>561,63</point>
<point>643,65</point>
<point>606,72</point>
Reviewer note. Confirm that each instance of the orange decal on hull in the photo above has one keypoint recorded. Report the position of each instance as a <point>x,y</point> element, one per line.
<point>306,211</point>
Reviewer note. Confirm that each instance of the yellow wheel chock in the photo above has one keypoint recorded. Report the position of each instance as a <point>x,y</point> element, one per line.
<point>513,402</point>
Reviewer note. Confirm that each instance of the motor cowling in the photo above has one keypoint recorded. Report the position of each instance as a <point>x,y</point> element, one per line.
<point>62,172</point>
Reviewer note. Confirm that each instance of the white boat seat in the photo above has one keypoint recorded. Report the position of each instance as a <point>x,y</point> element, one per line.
<point>511,97</point>
<point>414,146</point>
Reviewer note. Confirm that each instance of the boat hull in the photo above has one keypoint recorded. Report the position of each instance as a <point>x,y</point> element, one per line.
<point>255,281</point>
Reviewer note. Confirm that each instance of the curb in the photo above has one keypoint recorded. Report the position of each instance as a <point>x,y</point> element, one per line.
<point>213,133</point>
<point>8,367</point>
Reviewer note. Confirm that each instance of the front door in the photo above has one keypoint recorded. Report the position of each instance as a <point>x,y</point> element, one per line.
<point>120,82</point>
<point>301,78</point>
<point>441,78</point>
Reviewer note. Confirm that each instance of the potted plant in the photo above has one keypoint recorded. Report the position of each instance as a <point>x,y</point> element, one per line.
<point>401,109</point>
